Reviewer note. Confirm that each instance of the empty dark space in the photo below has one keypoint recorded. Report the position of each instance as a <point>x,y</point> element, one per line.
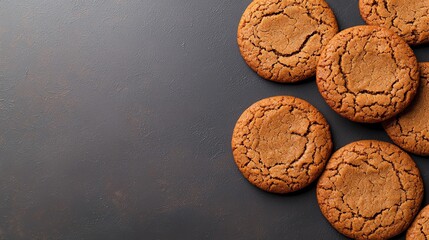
<point>116,118</point>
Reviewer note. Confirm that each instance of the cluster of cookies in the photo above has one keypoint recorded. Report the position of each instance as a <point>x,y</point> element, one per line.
<point>369,74</point>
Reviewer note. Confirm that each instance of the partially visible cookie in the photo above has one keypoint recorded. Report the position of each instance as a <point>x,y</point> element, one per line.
<point>419,230</point>
<point>281,144</point>
<point>281,40</point>
<point>409,19</point>
<point>370,190</point>
<point>367,74</point>
<point>410,130</point>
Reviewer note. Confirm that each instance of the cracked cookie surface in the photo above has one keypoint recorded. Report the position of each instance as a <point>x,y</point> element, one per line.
<point>409,19</point>
<point>367,74</point>
<point>281,40</point>
<point>410,129</point>
<point>281,144</point>
<point>419,230</point>
<point>370,190</point>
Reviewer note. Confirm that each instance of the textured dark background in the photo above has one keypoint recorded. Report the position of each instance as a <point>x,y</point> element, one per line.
<point>116,118</point>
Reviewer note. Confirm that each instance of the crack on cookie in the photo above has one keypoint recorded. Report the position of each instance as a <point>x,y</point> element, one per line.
<point>414,30</point>
<point>300,165</point>
<point>403,168</point>
<point>340,96</point>
<point>270,65</point>
<point>412,137</point>
<point>416,230</point>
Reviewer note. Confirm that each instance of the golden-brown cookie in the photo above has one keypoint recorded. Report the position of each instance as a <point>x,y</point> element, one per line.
<point>281,144</point>
<point>370,190</point>
<point>410,130</point>
<point>409,19</point>
<point>367,74</point>
<point>281,40</point>
<point>419,230</point>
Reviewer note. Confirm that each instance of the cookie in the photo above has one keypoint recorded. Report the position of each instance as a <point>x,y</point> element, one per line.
<point>370,190</point>
<point>409,19</point>
<point>419,230</point>
<point>367,74</point>
<point>281,144</point>
<point>281,40</point>
<point>410,130</point>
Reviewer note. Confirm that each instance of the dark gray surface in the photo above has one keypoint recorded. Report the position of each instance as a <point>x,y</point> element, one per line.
<point>116,118</point>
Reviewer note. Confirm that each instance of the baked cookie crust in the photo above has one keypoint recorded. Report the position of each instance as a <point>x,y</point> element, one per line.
<point>281,40</point>
<point>410,129</point>
<point>409,19</point>
<point>281,144</point>
<point>370,190</point>
<point>419,230</point>
<point>367,74</point>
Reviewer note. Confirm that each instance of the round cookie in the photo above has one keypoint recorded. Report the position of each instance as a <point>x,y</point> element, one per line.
<point>370,190</point>
<point>419,230</point>
<point>281,144</point>
<point>409,19</point>
<point>410,130</point>
<point>367,74</point>
<point>281,40</point>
